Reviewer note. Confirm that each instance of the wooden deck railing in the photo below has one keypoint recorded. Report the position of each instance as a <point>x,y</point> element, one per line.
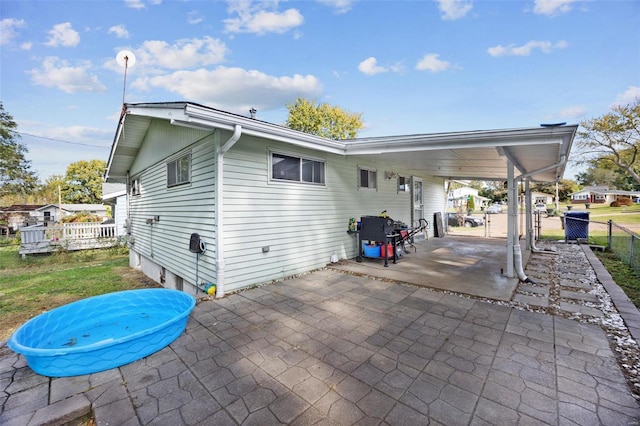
<point>68,236</point>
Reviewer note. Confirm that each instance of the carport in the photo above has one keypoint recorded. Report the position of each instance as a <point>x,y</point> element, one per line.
<point>526,155</point>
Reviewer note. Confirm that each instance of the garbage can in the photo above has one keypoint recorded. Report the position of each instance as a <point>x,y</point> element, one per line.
<point>576,225</point>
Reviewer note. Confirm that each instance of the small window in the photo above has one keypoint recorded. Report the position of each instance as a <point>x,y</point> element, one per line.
<point>297,169</point>
<point>368,178</point>
<point>179,171</point>
<point>135,186</point>
<point>403,184</point>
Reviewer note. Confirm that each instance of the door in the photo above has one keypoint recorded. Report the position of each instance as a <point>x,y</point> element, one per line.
<point>417,203</point>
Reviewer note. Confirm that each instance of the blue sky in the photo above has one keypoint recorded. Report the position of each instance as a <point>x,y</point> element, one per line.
<point>406,66</point>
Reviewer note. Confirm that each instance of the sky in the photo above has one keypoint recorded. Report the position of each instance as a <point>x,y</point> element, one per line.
<point>407,66</point>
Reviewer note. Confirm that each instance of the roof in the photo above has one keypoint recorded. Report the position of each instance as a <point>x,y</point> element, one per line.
<point>76,207</point>
<point>21,208</point>
<point>111,191</point>
<point>538,152</point>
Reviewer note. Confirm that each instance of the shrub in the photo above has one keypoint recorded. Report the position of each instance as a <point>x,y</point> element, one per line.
<point>622,201</point>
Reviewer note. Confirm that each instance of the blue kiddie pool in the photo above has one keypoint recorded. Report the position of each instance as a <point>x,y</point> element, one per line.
<point>102,332</point>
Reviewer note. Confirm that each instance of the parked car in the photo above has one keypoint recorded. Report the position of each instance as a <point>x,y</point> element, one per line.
<point>454,219</point>
<point>494,208</point>
<point>540,208</point>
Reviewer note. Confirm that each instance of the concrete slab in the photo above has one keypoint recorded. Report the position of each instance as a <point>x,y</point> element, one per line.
<point>467,265</point>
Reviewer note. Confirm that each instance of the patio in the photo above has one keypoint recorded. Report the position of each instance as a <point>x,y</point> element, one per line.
<point>331,347</point>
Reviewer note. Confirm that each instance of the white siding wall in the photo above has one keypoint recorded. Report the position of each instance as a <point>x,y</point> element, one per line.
<point>301,225</point>
<point>182,210</point>
<point>120,215</point>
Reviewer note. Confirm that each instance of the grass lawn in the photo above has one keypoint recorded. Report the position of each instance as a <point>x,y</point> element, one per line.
<point>623,275</point>
<point>42,282</point>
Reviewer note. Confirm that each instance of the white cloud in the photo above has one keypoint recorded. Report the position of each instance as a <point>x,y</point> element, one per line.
<point>258,19</point>
<point>627,97</point>
<point>235,89</point>
<point>26,46</point>
<point>370,66</point>
<point>526,49</point>
<point>119,30</point>
<point>63,35</point>
<point>194,17</point>
<point>454,9</point>
<point>552,7</point>
<point>8,28</point>
<point>431,62</point>
<point>340,6</point>
<point>70,79</point>
<point>573,111</point>
<point>186,53</point>
<point>139,4</point>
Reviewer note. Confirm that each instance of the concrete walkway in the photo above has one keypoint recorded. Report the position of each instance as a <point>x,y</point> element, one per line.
<point>336,348</point>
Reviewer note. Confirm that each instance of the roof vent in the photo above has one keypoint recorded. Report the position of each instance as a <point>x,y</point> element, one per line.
<point>253,111</point>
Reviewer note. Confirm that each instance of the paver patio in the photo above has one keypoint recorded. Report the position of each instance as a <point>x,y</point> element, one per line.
<point>335,348</point>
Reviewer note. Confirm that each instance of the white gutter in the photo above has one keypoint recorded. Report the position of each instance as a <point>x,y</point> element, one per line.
<point>219,194</point>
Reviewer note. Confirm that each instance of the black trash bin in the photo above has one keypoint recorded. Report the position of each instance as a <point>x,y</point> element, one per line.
<point>576,225</point>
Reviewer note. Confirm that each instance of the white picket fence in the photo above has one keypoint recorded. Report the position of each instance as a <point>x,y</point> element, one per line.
<point>67,236</point>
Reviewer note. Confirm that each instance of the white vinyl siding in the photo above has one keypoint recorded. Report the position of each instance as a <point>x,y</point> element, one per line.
<point>181,210</point>
<point>302,225</point>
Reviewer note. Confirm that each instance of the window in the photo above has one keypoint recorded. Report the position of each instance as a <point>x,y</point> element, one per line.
<point>368,178</point>
<point>296,169</point>
<point>403,184</point>
<point>179,171</point>
<point>135,186</point>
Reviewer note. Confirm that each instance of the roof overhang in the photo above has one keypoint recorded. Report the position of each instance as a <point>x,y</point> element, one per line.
<point>539,153</point>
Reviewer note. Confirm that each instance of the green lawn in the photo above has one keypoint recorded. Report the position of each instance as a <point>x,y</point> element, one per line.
<point>43,282</point>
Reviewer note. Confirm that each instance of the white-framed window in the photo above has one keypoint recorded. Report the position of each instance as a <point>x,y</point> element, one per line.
<point>404,185</point>
<point>367,178</point>
<point>179,171</point>
<point>135,186</point>
<point>292,168</point>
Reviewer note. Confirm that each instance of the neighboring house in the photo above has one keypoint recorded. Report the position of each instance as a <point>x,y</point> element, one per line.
<point>538,198</point>
<point>459,198</point>
<point>115,196</point>
<point>56,212</point>
<point>601,195</point>
<point>16,216</point>
<point>216,197</point>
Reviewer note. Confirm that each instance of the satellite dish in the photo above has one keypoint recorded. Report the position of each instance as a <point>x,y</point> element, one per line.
<point>125,58</point>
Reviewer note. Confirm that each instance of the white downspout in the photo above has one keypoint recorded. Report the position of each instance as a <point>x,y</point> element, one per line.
<point>511,212</point>
<point>517,253</point>
<point>237,131</point>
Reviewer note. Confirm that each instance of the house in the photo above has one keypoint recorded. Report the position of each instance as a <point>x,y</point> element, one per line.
<point>16,216</point>
<point>601,195</point>
<point>459,197</point>
<point>216,197</point>
<point>538,198</point>
<point>57,212</point>
<point>115,196</point>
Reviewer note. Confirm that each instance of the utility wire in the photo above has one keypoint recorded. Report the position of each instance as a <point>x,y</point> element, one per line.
<point>61,141</point>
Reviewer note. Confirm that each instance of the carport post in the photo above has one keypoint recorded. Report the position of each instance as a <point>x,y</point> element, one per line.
<point>512,211</point>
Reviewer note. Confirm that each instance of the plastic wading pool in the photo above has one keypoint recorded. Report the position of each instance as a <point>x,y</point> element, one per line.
<point>102,332</point>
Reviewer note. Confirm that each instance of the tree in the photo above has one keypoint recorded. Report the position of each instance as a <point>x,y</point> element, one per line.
<point>614,138</point>
<point>83,182</point>
<point>565,187</point>
<point>48,193</point>
<point>16,176</point>
<point>323,120</point>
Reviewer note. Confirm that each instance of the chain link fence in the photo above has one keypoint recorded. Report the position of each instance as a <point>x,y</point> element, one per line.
<point>615,238</point>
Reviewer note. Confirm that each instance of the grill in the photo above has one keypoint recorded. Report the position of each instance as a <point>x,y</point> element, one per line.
<point>380,230</point>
